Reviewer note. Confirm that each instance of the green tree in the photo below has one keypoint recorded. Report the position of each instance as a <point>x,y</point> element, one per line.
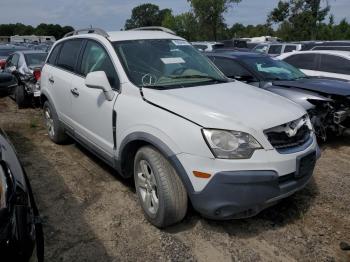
<point>299,19</point>
<point>209,14</point>
<point>184,25</point>
<point>146,15</point>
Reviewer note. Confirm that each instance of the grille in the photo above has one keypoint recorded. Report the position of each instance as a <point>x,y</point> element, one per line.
<point>281,141</point>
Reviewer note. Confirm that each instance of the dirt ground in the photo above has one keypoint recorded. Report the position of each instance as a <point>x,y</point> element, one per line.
<point>91,214</point>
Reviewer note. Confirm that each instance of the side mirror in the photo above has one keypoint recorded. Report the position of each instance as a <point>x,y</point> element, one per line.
<point>99,80</point>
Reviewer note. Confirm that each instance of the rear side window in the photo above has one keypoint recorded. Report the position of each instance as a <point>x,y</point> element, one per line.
<point>230,68</point>
<point>275,49</point>
<point>69,54</point>
<point>335,64</point>
<point>35,59</point>
<point>303,61</point>
<point>53,55</point>
<point>96,58</point>
<point>290,48</point>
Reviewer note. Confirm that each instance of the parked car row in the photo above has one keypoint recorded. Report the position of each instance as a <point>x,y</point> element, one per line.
<point>327,101</point>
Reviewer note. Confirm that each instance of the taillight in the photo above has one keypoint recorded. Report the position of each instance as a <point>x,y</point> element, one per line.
<point>2,63</point>
<point>37,74</point>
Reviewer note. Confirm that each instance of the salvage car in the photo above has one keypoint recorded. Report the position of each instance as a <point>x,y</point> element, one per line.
<point>156,109</point>
<point>26,67</point>
<point>21,237</point>
<point>7,83</point>
<point>326,100</point>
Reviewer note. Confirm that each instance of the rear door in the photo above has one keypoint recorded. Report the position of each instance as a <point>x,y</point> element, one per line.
<point>334,66</point>
<point>60,76</point>
<point>93,114</point>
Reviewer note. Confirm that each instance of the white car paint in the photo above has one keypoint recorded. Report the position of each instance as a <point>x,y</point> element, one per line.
<point>342,54</point>
<point>176,116</point>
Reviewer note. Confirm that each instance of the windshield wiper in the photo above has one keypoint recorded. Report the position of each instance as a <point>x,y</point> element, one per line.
<point>197,76</point>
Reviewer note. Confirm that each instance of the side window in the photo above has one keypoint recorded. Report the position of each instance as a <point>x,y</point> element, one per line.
<point>9,61</point>
<point>335,64</point>
<point>96,58</point>
<point>15,60</point>
<point>230,68</point>
<point>303,61</point>
<point>289,48</point>
<point>69,54</point>
<point>275,49</point>
<point>53,55</point>
<point>12,60</point>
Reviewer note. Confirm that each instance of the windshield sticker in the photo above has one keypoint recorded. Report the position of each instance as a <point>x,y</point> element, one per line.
<point>173,60</point>
<point>180,42</point>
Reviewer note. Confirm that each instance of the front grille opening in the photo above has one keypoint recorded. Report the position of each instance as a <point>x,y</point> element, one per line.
<point>281,141</point>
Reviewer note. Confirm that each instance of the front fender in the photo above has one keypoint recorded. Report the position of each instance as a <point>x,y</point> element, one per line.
<point>301,97</point>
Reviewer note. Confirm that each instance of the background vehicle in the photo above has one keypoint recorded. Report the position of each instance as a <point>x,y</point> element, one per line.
<point>136,99</point>
<point>207,46</point>
<point>21,236</point>
<point>333,64</point>
<point>6,50</point>
<point>275,49</point>
<point>26,67</point>
<point>7,83</point>
<point>325,45</point>
<point>326,100</point>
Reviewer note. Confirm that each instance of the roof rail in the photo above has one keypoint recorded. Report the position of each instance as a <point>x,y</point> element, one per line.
<point>154,28</point>
<point>88,31</point>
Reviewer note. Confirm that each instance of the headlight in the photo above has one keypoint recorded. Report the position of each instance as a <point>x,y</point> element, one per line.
<point>230,144</point>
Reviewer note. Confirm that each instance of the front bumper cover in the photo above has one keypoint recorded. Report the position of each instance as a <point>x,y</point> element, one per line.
<point>241,194</point>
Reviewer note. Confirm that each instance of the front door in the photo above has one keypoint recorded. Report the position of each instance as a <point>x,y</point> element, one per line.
<point>92,112</point>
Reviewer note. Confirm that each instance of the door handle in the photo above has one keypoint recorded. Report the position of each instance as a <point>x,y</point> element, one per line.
<point>51,80</point>
<point>74,91</point>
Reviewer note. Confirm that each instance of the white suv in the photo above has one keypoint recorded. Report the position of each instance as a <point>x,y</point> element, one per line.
<point>155,109</point>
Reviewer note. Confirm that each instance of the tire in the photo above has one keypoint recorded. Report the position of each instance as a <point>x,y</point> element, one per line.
<point>155,179</point>
<point>22,100</point>
<point>54,127</point>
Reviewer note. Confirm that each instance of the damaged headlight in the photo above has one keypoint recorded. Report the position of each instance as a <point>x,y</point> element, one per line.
<point>227,144</point>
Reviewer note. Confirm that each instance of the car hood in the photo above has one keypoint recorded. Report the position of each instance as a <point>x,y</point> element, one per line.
<point>234,106</point>
<point>321,85</point>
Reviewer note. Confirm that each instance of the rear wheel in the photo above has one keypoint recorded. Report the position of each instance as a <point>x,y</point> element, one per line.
<point>22,99</point>
<point>161,192</point>
<point>54,127</point>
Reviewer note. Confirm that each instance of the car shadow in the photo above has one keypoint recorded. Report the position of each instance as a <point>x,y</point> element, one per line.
<point>285,212</point>
<point>67,234</point>
<point>335,142</point>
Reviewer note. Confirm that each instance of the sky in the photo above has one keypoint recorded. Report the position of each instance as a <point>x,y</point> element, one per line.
<point>111,14</point>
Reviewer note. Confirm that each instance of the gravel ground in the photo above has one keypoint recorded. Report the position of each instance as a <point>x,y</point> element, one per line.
<point>91,214</point>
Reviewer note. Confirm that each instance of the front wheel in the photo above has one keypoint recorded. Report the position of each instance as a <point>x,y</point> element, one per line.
<point>161,192</point>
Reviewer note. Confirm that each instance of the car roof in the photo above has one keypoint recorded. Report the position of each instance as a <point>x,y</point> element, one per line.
<point>30,52</point>
<point>329,52</point>
<point>237,54</point>
<point>140,34</point>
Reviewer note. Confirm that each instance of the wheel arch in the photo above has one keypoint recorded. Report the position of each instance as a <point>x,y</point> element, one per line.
<point>134,141</point>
